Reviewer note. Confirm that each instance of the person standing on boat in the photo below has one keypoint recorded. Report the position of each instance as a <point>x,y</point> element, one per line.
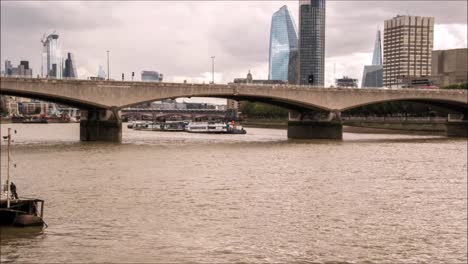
<point>14,194</point>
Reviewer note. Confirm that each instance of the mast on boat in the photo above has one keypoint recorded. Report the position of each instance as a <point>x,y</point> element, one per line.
<point>8,169</point>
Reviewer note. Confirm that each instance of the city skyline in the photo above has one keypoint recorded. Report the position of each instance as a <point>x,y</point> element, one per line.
<point>240,46</point>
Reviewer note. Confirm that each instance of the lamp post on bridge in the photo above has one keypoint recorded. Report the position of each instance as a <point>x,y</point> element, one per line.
<point>108,73</point>
<point>212,69</point>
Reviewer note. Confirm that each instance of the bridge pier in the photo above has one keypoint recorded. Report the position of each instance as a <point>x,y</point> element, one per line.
<point>315,125</point>
<point>100,125</point>
<point>457,129</point>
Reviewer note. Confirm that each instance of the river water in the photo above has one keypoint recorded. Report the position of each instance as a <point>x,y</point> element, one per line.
<point>164,197</point>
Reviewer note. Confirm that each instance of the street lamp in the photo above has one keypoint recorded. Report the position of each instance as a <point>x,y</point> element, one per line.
<point>108,73</point>
<point>212,69</point>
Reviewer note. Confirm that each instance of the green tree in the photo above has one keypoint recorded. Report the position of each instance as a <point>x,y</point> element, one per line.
<point>261,110</point>
<point>462,86</point>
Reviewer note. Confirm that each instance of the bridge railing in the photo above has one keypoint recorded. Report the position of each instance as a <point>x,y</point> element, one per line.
<point>287,86</point>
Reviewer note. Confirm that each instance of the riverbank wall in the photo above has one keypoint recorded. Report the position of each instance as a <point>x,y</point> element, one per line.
<point>408,127</point>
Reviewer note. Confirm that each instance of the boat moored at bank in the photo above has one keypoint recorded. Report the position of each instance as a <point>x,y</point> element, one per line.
<point>16,211</point>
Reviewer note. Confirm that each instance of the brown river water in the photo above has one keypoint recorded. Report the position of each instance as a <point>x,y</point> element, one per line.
<point>163,197</point>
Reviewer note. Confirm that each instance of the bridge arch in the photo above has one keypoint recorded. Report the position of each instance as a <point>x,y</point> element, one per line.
<point>271,100</point>
<point>64,100</point>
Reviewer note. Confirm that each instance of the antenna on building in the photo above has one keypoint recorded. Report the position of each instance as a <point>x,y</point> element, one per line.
<point>44,39</point>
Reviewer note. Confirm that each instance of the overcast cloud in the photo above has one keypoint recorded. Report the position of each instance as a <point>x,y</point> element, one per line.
<point>177,38</point>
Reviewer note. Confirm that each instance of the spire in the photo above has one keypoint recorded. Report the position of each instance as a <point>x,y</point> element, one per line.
<point>377,58</point>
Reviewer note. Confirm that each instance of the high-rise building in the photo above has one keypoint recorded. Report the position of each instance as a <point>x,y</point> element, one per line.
<point>25,64</point>
<point>373,74</point>
<point>52,64</point>
<point>283,42</point>
<point>8,67</point>
<point>312,42</point>
<point>101,73</point>
<point>377,56</point>
<point>70,68</point>
<point>151,76</point>
<point>22,70</point>
<point>449,67</point>
<point>408,43</point>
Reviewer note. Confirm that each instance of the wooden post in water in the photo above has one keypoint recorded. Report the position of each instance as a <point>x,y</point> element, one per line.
<point>8,169</point>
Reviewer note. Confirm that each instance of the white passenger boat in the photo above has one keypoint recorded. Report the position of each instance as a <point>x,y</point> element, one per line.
<point>133,124</point>
<point>170,126</point>
<point>147,126</point>
<point>215,127</point>
<point>206,127</point>
<point>173,126</point>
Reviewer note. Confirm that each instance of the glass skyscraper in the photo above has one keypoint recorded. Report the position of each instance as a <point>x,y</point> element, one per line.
<point>373,74</point>
<point>70,68</point>
<point>52,63</point>
<point>283,46</point>
<point>312,42</point>
<point>377,57</point>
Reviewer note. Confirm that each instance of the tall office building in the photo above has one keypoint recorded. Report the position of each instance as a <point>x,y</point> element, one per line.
<point>101,75</point>
<point>52,63</point>
<point>312,42</point>
<point>283,44</point>
<point>373,74</point>
<point>22,70</point>
<point>8,67</point>
<point>377,56</point>
<point>70,68</point>
<point>408,43</point>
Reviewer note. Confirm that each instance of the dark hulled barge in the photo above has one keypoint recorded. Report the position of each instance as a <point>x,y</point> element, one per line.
<point>16,211</point>
<point>22,212</point>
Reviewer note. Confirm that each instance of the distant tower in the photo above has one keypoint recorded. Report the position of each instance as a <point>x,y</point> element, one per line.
<point>101,73</point>
<point>8,67</point>
<point>373,74</point>
<point>377,57</point>
<point>52,63</point>
<point>249,77</point>
<point>283,43</point>
<point>312,42</point>
<point>70,69</point>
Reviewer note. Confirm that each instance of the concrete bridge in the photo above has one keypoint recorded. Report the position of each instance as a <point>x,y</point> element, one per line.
<point>315,111</point>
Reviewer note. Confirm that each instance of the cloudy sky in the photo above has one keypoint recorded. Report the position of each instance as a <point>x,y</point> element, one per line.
<point>178,38</point>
